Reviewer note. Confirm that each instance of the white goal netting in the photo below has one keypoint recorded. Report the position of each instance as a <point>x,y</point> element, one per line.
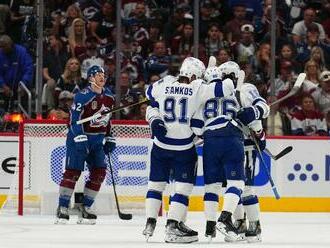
<point>43,152</point>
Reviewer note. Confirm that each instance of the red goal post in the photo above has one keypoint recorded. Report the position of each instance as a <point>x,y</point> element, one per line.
<point>41,161</point>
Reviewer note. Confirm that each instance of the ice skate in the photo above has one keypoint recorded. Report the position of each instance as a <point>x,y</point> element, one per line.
<point>86,216</point>
<point>62,215</point>
<point>210,231</point>
<point>253,234</point>
<point>227,228</point>
<point>150,228</point>
<point>241,229</point>
<point>179,233</point>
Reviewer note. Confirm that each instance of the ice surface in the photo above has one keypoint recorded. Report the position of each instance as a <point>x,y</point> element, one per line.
<point>279,230</point>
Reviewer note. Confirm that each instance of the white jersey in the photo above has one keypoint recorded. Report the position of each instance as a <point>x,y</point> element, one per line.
<point>176,103</point>
<point>217,113</point>
<point>249,96</point>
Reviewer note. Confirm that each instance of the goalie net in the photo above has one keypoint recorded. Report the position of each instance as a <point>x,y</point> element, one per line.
<point>42,148</point>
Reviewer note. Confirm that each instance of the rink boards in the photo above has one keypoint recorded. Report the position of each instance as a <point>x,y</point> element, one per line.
<point>302,177</point>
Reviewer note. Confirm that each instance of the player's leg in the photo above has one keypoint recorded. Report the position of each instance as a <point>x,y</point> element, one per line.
<point>74,164</point>
<point>213,176</point>
<point>97,172</point>
<point>233,159</point>
<point>250,200</point>
<point>185,176</point>
<point>158,178</point>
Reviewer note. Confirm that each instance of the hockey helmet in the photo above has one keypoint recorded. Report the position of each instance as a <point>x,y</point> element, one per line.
<point>229,69</point>
<point>212,73</point>
<point>93,70</point>
<point>192,66</point>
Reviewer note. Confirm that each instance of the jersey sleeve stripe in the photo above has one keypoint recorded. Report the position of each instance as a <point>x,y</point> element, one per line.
<point>177,142</point>
<point>218,90</point>
<point>153,102</point>
<point>196,123</point>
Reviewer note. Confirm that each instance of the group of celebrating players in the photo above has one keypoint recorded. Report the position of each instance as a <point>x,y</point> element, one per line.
<point>211,104</point>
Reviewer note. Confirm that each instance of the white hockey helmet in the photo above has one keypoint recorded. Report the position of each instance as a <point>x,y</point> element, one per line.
<point>229,69</point>
<point>192,66</point>
<point>211,74</point>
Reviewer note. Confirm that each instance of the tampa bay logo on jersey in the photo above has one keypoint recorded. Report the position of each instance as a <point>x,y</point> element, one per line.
<point>102,121</point>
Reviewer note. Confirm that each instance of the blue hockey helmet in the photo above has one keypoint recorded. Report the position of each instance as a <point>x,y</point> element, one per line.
<point>93,70</point>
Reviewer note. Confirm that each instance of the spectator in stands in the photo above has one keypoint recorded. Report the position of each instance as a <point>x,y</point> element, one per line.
<point>16,66</point>
<point>4,17</point>
<point>321,94</point>
<point>62,23</point>
<point>77,37</point>
<point>103,22</point>
<point>206,18</point>
<point>90,57</point>
<point>174,26</point>
<point>299,30</point>
<point>71,79</point>
<point>110,70</point>
<point>261,63</point>
<point>317,55</point>
<point>214,41</point>
<point>128,95</point>
<point>158,62</point>
<point>246,47</point>
<point>182,45</point>
<point>312,39</point>
<point>20,10</point>
<point>139,14</point>
<point>253,8</point>
<point>233,27</point>
<point>153,78</point>
<point>308,121</point>
<point>286,76</point>
<point>141,112</point>
<point>312,71</point>
<point>55,58</point>
<point>288,53</point>
<point>223,56</point>
<point>61,112</point>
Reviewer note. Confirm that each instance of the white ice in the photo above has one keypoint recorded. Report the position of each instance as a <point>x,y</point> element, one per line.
<point>278,230</point>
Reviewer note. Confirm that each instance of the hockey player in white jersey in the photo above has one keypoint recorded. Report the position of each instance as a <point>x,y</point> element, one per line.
<point>254,107</point>
<point>173,103</point>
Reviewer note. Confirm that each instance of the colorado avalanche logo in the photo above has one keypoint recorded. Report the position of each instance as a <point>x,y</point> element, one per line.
<point>101,121</point>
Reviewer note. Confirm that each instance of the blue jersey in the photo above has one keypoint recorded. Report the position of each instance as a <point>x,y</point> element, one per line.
<point>87,103</point>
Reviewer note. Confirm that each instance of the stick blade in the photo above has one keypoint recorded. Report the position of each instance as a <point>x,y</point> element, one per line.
<point>212,62</point>
<point>125,216</point>
<point>284,152</point>
<point>300,79</point>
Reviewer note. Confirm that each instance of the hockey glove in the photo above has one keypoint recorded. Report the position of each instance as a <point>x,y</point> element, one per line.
<point>109,145</point>
<point>158,128</point>
<point>249,114</point>
<point>81,144</point>
<point>261,139</point>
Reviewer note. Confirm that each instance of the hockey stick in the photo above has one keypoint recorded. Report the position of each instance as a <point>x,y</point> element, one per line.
<point>247,132</point>
<point>284,152</point>
<point>105,112</point>
<point>300,79</point>
<point>121,215</point>
<point>212,62</point>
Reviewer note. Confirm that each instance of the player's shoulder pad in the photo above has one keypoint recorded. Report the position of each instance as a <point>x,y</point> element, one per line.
<point>198,83</point>
<point>169,79</point>
<point>248,87</point>
<point>108,92</point>
<point>84,95</point>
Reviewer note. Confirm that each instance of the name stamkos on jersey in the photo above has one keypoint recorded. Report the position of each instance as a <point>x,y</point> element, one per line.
<point>178,90</point>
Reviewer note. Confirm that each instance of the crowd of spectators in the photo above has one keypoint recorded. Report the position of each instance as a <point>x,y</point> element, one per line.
<point>157,36</point>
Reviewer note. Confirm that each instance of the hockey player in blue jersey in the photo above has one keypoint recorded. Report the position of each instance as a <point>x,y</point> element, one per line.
<point>173,103</point>
<point>254,108</point>
<point>84,143</point>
